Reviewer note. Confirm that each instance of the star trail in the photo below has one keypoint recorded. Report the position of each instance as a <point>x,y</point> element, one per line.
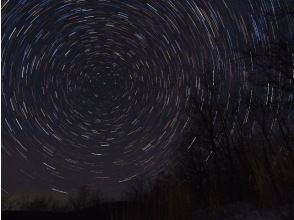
<point>95,92</point>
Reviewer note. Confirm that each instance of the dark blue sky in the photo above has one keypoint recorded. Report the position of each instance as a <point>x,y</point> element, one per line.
<point>94,92</point>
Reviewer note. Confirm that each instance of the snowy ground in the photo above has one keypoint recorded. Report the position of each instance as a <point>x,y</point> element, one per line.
<point>245,211</point>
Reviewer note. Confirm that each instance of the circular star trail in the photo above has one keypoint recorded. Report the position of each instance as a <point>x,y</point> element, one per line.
<point>95,91</point>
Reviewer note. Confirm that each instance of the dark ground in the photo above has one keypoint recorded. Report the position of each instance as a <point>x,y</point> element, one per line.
<point>122,210</point>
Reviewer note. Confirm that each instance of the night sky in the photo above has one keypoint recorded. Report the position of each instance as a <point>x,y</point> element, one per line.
<point>94,92</point>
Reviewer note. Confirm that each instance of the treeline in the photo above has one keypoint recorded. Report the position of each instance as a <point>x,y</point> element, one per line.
<point>239,145</point>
